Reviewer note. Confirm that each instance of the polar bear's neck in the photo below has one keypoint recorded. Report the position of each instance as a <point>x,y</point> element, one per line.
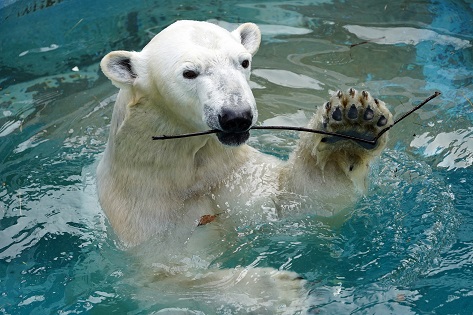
<point>141,178</point>
<point>131,150</point>
<point>174,168</point>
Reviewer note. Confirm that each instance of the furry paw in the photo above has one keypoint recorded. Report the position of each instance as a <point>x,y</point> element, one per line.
<point>274,291</point>
<point>239,290</point>
<point>267,290</point>
<point>356,114</point>
<point>352,113</point>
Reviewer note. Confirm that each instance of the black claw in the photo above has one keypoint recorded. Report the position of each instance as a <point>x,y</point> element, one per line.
<point>339,94</point>
<point>327,105</point>
<point>365,94</point>
<point>376,101</point>
<point>353,112</point>
<point>382,121</point>
<point>369,114</point>
<point>337,114</point>
<point>351,91</point>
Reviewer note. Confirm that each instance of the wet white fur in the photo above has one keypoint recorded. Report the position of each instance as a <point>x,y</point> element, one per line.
<point>160,189</point>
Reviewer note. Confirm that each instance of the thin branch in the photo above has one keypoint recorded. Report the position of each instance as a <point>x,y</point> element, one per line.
<point>302,129</point>
<point>322,132</point>
<point>428,99</point>
<point>186,135</point>
<point>367,41</point>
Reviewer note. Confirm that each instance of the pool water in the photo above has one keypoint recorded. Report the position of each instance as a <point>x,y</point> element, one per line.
<point>407,247</point>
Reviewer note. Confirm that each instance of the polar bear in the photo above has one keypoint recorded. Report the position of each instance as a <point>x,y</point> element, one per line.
<point>194,76</point>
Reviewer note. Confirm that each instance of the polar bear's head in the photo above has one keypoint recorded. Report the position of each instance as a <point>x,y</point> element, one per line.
<point>198,73</point>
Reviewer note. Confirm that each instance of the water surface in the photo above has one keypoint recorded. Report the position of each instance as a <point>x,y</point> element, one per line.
<point>407,247</point>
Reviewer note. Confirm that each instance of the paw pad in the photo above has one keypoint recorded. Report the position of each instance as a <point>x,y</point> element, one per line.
<point>382,121</point>
<point>353,112</point>
<point>356,114</point>
<point>369,114</point>
<point>337,114</point>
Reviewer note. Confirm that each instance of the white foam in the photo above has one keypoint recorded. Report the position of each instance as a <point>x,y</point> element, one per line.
<point>288,79</point>
<point>404,35</point>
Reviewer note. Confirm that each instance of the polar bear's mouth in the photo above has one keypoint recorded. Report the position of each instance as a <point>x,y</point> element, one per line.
<point>233,138</point>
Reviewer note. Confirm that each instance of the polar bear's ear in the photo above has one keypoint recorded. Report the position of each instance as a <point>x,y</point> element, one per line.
<point>118,67</point>
<point>249,35</point>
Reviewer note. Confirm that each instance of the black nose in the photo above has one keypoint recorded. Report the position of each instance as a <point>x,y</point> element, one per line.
<point>234,121</point>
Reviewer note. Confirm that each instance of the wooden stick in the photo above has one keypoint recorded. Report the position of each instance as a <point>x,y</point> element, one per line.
<point>367,41</point>
<point>302,129</point>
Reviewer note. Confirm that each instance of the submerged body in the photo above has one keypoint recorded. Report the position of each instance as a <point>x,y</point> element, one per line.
<point>194,76</point>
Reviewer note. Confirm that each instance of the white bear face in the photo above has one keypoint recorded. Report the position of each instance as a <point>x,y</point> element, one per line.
<point>198,72</point>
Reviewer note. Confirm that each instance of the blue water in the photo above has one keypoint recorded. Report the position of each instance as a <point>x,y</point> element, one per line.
<point>407,248</point>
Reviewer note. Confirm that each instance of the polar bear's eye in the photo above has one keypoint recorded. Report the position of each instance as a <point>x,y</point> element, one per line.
<point>245,63</point>
<point>189,74</point>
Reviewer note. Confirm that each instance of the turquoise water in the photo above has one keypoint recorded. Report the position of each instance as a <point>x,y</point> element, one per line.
<point>407,247</point>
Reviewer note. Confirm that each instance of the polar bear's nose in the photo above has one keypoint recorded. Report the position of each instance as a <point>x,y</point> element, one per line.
<point>234,121</point>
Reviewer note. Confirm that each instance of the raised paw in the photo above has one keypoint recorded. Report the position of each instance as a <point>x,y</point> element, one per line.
<point>356,114</point>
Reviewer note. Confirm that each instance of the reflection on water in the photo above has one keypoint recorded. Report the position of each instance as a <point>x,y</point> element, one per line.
<point>456,147</point>
<point>405,35</point>
<point>407,246</point>
<point>288,79</point>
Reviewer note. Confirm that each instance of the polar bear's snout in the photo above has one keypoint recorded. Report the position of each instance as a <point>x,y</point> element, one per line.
<point>228,104</point>
<point>235,121</point>
<point>235,125</point>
